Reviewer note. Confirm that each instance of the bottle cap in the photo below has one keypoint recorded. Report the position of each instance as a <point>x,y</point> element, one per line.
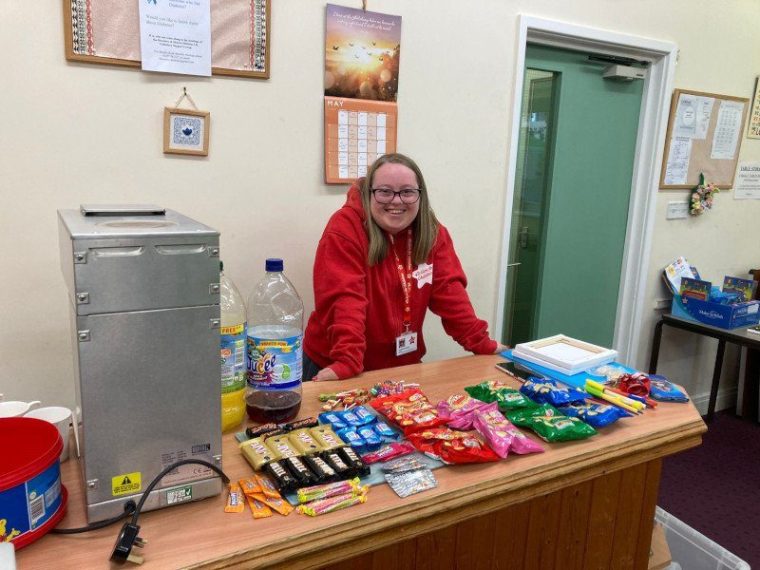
<point>274,264</point>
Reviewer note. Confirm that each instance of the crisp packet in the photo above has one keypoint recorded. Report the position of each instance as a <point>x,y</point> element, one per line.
<point>493,426</point>
<point>496,391</point>
<point>550,425</point>
<point>395,449</point>
<point>411,482</point>
<point>458,410</point>
<point>664,390</point>
<point>451,446</point>
<point>595,415</point>
<point>410,410</point>
<point>546,391</point>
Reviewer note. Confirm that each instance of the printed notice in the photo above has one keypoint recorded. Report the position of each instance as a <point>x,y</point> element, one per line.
<point>727,130</point>
<point>747,184</point>
<point>175,36</point>
<point>693,116</point>
<point>678,161</point>
<point>704,113</point>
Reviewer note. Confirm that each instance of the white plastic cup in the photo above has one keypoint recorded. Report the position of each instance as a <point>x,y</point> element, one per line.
<point>15,409</point>
<point>60,418</point>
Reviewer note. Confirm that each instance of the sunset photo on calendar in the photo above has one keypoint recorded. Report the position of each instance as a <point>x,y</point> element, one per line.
<point>362,51</point>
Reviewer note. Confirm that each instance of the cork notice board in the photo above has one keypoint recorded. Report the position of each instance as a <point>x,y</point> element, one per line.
<point>704,136</point>
<point>108,31</point>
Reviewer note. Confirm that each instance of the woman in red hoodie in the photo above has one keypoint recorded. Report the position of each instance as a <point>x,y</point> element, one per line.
<point>383,260</point>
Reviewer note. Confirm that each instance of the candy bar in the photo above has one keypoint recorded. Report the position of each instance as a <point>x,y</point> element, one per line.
<point>353,460</point>
<point>303,441</point>
<point>316,492</point>
<point>300,424</point>
<point>267,486</point>
<point>385,431</point>
<point>258,508</point>
<point>281,446</point>
<point>282,478</point>
<point>256,453</point>
<point>334,419</point>
<point>326,437</point>
<point>336,462</point>
<point>323,506</point>
<point>320,468</point>
<point>277,504</point>
<point>256,431</point>
<point>372,441</point>
<point>365,416</point>
<point>250,486</point>
<point>389,451</point>
<point>235,499</point>
<point>352,438</point>
<point>299,471</point>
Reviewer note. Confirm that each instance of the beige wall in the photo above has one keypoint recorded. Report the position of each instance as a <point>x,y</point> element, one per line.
<point>75,133</point>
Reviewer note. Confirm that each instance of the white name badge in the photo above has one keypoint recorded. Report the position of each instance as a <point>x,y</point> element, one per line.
<point>406,343</point>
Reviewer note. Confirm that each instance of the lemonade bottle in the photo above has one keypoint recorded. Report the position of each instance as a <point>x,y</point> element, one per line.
<point>233,332</point>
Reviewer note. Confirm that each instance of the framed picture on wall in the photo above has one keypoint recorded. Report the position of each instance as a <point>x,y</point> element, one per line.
<point>186,131</point>
<point>753,127</point>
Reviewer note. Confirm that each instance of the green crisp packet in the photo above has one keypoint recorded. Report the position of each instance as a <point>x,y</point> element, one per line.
<point>494,391</point>
<point>549,423</point>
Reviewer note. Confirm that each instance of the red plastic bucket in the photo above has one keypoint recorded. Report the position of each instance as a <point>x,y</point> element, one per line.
<point>32,498</point>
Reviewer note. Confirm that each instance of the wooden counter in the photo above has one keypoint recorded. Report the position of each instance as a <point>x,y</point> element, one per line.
<point>587,504</point>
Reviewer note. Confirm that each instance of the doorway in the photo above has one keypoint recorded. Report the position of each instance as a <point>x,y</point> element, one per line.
<point>661,56</point>
<point>572,191</point>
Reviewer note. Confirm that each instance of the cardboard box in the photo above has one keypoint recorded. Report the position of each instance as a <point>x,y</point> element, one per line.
<point>659,553</point>
<point>722,316</point>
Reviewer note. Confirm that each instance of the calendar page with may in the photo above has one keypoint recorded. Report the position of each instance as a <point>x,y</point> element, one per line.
<point>362,52</point>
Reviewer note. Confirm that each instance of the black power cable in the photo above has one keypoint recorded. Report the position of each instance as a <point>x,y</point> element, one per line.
<point>129,508</point>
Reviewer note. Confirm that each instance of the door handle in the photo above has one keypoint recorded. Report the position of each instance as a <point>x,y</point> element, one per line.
<point>514,264</point>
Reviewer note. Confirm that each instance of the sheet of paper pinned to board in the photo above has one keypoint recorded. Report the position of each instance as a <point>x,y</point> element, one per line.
<point>678,160</point>
<point>693,116</point>
<point>727,130</point>
<point>747,185</point>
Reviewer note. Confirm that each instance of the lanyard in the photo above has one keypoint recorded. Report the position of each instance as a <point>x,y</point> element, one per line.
<point>405,277</point>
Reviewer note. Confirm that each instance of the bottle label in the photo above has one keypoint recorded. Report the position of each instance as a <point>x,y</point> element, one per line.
<point>233,358</point>
<point>274,363</point>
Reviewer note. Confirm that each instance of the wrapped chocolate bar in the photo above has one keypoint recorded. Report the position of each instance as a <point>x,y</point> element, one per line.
<point>326,437</point>
<point>317,492</point>
<point>304,442</point>
<point>257,453</point>
<point>281,476</point>
<point>323,472</point>
<point>352,459</point>
<point>281,446</point>
<point>387,452</point>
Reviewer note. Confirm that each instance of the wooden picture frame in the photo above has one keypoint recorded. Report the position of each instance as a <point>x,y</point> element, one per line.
<point>564,354</point>
<point>753,124</point>
<point>85,44</point>
<point>718,171</point>
<point>186,131</point>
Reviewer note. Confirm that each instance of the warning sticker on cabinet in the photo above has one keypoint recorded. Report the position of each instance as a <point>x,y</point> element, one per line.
<point>126,484</point>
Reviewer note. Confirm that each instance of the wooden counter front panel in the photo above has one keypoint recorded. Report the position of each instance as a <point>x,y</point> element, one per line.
<point>600,524</point>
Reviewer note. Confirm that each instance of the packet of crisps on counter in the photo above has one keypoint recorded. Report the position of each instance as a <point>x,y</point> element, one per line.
<point>494,427</point>
<point>410,410</point>
<point>458,410</point>
<point>235,499</point>
<point>495,391</point>
<point>546,391</point>
<point>451,446</point>
<point>550,425</point>
<point>595,415</point>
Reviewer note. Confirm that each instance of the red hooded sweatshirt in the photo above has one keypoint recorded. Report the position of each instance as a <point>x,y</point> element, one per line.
<point>359,309</point>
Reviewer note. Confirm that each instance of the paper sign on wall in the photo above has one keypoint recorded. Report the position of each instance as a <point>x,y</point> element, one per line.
<point>747,185</point>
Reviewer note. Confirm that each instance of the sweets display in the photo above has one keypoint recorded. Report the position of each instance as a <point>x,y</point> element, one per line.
<point>410,410</point>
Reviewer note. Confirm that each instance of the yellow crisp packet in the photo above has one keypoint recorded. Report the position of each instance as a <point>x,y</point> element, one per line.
<point>235,500</point>
<point>250,485</point>
<point>258,508</point>
<point>268,487</point>
<point>279,505</point>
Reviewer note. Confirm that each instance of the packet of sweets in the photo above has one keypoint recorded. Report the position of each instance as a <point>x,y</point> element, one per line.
<point>256,453</point>
<point>235,499</point>
<point>267,486</point>
<point>372,441</point>
<point>546,391</point>
<point>387,452</point>
<point>324,506</point>
<point>324,491</point>
<point>411,482</point>
<point>258,508</point>
<point>250,485</point>
<point>334,419</point>
<point>595,415</point>
<point>385,431</point>
<point>403,464</point>
<point>365,416</point>
<point>494,427</point>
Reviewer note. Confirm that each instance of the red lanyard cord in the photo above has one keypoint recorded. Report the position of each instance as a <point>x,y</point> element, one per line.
<point>405,277</point>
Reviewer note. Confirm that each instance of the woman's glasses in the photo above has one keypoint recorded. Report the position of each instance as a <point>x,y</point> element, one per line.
<point>386,196</point>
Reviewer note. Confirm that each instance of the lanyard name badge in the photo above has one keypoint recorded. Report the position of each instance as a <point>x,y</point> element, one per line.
<point>406,342</point>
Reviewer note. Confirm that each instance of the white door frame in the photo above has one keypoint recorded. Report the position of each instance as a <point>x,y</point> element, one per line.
<point>655,106</point>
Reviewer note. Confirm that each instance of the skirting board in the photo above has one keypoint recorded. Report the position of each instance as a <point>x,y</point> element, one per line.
<point>726,399</point>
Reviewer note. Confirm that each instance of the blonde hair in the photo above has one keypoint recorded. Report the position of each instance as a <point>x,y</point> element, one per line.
<point>424,226</point>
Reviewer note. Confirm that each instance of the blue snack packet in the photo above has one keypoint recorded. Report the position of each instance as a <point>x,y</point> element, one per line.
<point>334,419</point>
<point>350,418</point>
<point>385,431</point>
<point>663,390</point>
<point>352,438</point>
<point>595,415</point>
<point>372,441</point>
<point>364,415</point>
<point>545,391</point>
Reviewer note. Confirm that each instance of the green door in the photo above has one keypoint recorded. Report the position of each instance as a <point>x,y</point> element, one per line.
<point>572,190</point>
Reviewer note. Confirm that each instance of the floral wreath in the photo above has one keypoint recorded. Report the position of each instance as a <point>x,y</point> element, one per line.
<point>702,197</point>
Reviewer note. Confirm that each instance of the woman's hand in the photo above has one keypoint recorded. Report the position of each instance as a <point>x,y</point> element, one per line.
<point>325,374</point>
<point>500,348</point>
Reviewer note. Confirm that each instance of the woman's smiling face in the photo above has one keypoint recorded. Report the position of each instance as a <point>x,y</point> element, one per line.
<point>396,215</point>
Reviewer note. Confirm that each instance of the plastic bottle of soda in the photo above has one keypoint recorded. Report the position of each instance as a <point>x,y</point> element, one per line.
<point>233,332</point>
<point>273,348</point>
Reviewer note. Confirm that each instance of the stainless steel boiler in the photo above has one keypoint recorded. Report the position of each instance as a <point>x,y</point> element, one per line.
<point>144,289</point>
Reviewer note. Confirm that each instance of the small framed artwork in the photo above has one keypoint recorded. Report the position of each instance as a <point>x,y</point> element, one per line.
<point>753,127</point>
<point>186,131</point>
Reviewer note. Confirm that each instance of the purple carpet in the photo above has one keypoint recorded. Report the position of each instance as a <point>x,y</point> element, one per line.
<point>715,488</point>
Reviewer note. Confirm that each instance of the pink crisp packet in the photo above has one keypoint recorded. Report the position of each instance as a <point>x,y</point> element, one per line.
<point>458,410</point>
<point>500,434</point>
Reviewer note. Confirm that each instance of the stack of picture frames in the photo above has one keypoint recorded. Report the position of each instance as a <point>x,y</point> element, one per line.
<point>362,51</point>
<point>107,31</point>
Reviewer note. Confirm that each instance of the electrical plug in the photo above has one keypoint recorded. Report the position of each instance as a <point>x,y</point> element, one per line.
<point>128,538</point>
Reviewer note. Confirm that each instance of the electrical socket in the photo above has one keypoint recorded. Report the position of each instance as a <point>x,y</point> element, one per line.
<point>677,210</point>
<point>660,304</point>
